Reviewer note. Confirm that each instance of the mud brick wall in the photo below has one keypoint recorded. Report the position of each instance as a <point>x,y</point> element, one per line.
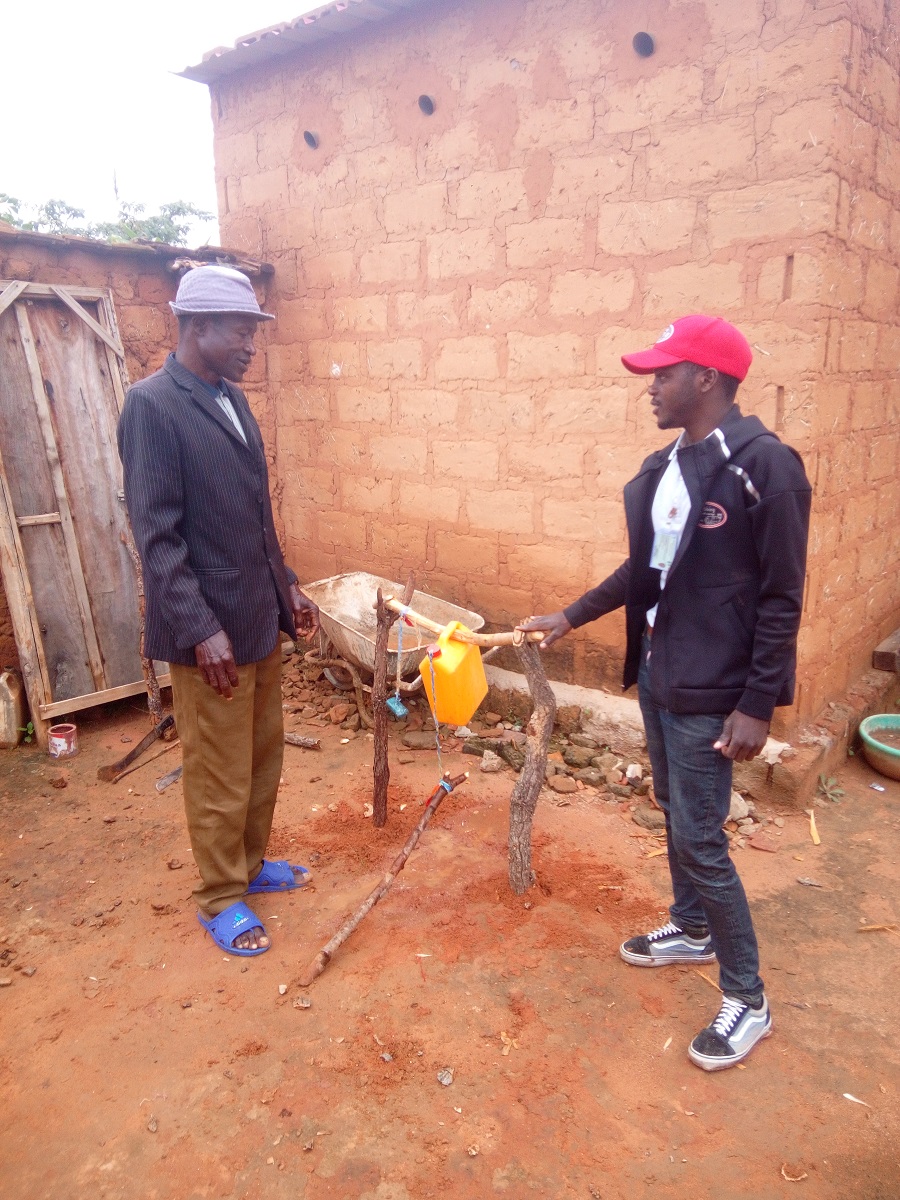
<point>453,291</point>
<point>142,284</point>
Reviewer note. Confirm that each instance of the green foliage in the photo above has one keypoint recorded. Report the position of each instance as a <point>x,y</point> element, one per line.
<point>170,225</point>
<point>829,789</point>
<point>28,730</point>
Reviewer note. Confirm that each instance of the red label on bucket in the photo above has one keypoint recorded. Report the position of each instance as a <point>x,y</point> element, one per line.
<point>63,741</point>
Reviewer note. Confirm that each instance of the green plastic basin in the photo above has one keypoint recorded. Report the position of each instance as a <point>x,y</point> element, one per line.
<point>882,757</point>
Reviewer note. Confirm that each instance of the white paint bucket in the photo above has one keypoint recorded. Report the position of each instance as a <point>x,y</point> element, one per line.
<point>63,741</point>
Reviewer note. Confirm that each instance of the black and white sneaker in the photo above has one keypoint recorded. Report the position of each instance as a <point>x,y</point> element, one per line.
<point>732,1035</point>
<point>670,944</point>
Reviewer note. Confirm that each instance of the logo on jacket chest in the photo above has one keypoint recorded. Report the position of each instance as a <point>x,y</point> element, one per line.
<point>712,515</point>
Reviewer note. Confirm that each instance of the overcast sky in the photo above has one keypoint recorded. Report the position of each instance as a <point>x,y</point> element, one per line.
<point>91,99</point>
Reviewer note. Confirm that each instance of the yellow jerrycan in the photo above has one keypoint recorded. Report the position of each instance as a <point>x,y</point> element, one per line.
<point>459,680</point>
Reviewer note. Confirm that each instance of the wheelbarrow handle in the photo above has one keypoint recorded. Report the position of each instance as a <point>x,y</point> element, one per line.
<point>512,638</point>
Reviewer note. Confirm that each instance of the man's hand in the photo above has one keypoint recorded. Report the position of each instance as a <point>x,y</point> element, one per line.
<point>742,737</point>
<point>554,626</point>
<point>216,662</point>
<point>306,614</point>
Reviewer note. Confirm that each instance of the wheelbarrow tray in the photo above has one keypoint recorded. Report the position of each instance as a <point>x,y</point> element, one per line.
<point>347,615</point>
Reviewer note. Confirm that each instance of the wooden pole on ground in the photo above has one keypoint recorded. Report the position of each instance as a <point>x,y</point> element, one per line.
<point>322,959</point>
<point>531,779</point>
<point>384,619</point>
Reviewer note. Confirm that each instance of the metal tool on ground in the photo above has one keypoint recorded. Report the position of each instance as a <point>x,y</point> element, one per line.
<point>322,959</point>
<point>140,766</point>
<point>305,743</point>
<point>114,770</point>
<point>166,780</point>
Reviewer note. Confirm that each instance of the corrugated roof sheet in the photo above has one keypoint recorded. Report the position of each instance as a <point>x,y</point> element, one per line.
<point>176,257</point>
<point>267,45</point>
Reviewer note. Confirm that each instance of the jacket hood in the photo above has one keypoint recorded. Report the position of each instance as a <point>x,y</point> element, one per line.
<point>738,431</point>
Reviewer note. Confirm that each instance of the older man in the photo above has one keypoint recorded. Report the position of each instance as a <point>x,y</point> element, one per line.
<point>218,593</point>
<point>712,590</point>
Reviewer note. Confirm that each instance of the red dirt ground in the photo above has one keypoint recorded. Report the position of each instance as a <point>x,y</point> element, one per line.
<point>140,1063</point>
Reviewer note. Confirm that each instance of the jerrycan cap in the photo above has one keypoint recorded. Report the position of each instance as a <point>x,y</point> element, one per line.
<point>433,650</point>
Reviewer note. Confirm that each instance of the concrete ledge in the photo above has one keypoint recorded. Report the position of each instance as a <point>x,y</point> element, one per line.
<point>821,746</point>
<point>816,749</point>
<point>613,720</point>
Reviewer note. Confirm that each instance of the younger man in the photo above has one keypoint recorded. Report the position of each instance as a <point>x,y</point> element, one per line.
<point>712,588</point>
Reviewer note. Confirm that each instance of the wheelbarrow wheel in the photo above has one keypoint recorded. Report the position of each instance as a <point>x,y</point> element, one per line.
<point>339,678</point>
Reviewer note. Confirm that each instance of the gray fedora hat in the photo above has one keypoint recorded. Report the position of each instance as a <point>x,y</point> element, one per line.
<point>217,290</point>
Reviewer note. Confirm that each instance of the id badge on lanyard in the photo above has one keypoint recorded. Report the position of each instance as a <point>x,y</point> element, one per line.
<point>665,543</point>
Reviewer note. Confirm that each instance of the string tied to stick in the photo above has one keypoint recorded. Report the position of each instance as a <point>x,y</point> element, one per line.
<point>434,651</point>
<point>394,703</point>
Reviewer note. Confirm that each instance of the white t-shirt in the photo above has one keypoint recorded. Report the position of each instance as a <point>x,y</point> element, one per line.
<point>671,507</point>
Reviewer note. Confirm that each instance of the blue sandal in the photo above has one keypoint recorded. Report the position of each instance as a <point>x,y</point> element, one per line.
<point>230,924</point>
<point>278,877</point>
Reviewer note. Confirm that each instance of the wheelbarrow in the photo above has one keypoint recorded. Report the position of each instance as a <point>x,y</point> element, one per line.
<point>347,634</point>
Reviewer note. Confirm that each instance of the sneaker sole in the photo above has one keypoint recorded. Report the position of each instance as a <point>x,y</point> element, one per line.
<point>707,1063</point>
<point>644,960</point>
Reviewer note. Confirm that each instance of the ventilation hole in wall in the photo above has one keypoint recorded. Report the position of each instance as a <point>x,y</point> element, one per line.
<point>311,139</point>
<point>426,104</point>
<point>643,44</point>
<point>779,408</point>
<point>788,285</point>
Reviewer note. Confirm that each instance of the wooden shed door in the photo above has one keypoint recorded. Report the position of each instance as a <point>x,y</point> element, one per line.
<point>68,576</point>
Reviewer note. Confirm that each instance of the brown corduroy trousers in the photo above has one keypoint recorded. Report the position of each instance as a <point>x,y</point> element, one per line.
<point>232,754</point>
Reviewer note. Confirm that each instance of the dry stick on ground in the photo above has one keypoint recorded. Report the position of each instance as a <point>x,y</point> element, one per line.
<point>531,779</point>
<point>322,959</point>
<point>154,702</point>
<point>381,770</point>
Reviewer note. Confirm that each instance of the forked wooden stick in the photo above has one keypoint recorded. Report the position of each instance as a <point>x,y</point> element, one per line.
<point>322,959</point>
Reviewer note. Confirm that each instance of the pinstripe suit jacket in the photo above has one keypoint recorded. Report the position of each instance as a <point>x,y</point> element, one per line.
<point>198,499</point>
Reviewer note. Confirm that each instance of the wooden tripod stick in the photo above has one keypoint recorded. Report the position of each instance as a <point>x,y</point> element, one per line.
<point>528,786</point>
<point>381,772</point>
<point>322,959</point>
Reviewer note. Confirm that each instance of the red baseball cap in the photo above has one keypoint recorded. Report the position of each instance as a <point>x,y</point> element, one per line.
<point>707,341</point>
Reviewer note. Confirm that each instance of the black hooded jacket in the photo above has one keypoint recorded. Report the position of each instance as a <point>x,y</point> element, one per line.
<point>725,635</point>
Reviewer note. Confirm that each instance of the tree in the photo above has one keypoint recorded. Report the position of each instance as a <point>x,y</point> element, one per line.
<point>170,225</point>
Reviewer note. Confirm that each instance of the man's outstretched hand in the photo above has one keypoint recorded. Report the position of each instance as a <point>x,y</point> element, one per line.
<point>215,659</point>
<point>742,737</point>
<point>306,614</point>
<point>554,626</point>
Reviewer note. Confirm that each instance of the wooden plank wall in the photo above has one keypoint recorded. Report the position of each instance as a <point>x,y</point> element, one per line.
<point>84,410</point>
<point>31,490</point>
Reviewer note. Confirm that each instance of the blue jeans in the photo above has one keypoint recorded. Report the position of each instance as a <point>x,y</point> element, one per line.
<point>692,783</point>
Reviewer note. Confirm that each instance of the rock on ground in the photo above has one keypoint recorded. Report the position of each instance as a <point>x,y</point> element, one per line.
<point>578,756</point>
<point>563,784</point>
<point>649,818</point>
